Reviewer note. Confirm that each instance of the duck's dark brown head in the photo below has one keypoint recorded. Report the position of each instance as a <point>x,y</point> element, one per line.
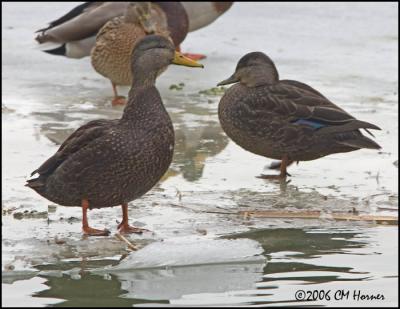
<point>254,69</point>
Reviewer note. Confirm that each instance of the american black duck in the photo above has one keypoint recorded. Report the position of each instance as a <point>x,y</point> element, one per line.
<point>106,163</point>
<point>285,119</point>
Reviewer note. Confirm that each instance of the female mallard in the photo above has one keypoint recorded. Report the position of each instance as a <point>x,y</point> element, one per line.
<point>106,163</point>
<point>74,34</point>
<point>115,41</point>
<point>285,119</point>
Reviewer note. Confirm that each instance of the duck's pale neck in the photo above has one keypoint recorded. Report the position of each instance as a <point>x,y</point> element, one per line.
<point>141,78</point>
<point>144,100</point>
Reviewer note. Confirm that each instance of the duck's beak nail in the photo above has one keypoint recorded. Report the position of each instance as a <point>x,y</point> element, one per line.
<point>182,60</point>
<point>230,80</point>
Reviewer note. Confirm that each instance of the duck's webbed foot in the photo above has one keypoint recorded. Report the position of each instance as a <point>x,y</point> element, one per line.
<point>127,229</point>
<point>124,227</point>
<point>95,232</point>
<point>87,230</point>
<point>278,177</point>
<point>195,56</point>
<point>118,100</point>
<point>191,55</point>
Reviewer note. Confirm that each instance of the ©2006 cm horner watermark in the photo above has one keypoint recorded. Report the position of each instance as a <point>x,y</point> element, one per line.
<point>337,295</point>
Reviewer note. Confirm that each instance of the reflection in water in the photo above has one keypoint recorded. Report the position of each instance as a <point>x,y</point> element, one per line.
<point>89,291</point>
<point>252,281</point>
<point>194,145</point>
<point>173,283</point>
<point>306,245</point>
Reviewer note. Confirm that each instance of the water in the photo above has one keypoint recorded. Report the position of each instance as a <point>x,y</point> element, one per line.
<point>202,252</point>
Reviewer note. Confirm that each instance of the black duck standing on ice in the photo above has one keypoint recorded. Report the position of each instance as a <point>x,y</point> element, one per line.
<point>285,119</point>
<point>107,163</point>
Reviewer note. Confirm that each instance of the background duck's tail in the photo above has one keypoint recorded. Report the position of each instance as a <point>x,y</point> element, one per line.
<point>58,51</point>
<point>51,47</point>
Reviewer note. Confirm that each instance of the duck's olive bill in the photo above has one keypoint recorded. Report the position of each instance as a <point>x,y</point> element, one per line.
<point>182,60</point>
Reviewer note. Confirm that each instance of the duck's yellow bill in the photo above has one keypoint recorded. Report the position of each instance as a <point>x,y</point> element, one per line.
<point>183,60</point>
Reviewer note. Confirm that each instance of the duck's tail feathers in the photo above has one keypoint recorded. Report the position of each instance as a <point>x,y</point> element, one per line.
<point>366,125</point>
<point>350,126</point>
<point>360,142</point>
<point>37,184</point>
<point>359,124</point>
<point>370,133</point>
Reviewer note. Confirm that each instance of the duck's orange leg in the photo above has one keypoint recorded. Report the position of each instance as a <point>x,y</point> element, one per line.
<point>118,99</point>
<point>87,230</point>
<point>124,226</point>
<point>192,56</point>
<point>276,165</point>
<point>283,173</point>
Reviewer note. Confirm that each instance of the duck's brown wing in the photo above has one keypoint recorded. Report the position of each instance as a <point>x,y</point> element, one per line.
<point>299,101</point>
<point>315,92</point>
<point>75,142</point>
<point>302,86</point>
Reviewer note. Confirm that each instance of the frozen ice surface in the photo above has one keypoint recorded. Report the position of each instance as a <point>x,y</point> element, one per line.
<point>185,251</point>
<point>182,266</point>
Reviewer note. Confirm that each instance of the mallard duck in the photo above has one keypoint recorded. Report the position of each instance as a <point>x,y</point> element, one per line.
<point>74,34</point>
<point>285,119</point>
<point>111,54</point>
<point>106,163</point>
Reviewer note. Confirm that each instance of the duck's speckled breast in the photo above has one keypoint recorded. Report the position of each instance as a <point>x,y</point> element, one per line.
<point>245,117</point>
<point>119,167</point>
<point>111,54</point>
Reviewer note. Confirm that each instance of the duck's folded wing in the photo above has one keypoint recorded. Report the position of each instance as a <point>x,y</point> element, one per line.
<point>298,102</point>
<point>76,141</point>
<point>302,86</point>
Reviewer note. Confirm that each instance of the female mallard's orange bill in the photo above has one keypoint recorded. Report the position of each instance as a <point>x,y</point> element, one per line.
<point>182,60</point>
<point>230,80</point>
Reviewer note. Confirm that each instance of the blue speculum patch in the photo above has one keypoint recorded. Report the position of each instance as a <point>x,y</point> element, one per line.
<point>311,123</point>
